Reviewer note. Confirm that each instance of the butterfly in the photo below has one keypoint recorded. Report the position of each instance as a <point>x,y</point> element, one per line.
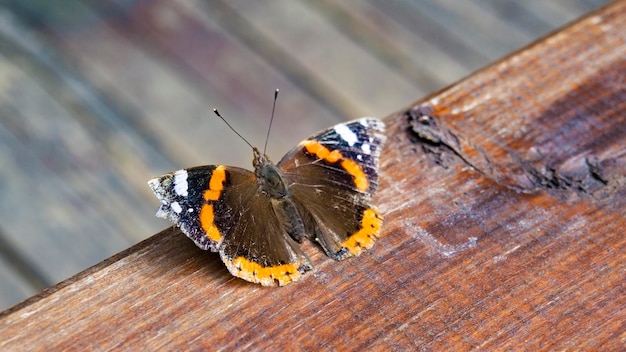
<point>322,189</point>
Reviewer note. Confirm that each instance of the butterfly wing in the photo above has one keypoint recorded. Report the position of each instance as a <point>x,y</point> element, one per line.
<point>333,176</point>
<point>220,208</point>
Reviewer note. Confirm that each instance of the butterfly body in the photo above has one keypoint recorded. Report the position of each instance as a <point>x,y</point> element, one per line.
<point>321,190</point>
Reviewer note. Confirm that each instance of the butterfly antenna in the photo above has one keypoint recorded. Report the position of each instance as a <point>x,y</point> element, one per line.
<point>231,127</point>
<point>271,120</point>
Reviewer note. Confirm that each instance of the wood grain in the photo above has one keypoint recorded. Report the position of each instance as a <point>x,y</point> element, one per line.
<point>504,214</point>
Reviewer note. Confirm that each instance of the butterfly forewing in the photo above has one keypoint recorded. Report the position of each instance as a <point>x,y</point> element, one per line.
<point>333,175</point>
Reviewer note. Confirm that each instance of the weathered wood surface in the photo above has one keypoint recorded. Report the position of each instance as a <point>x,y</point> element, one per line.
<point>504,212</point>
<point>98,96</point>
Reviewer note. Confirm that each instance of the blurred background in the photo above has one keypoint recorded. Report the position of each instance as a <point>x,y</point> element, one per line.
<point>96,97</point>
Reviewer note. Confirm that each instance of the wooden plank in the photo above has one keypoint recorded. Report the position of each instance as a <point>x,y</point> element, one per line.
<point>472,256</point>
<point>401,48</point>
<point>340,65</point>
<point>173,64</point>
<point>522,15</point>
<point>18,280</point>
<point>435,32</point>
<point>480,29</point>
<point>14,288</point>
<point>37,136</point>
<point>551,10</point>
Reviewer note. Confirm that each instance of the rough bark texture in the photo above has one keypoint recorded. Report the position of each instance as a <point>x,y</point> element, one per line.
<point>504,212</point>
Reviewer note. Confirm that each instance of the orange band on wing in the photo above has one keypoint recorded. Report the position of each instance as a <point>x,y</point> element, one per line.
<point>367,235</point>
<point>216,184</point>
<point>351,167</point>
<point>266,276</point>
<point>207,212</point>
<point>207,218</point>
<point>360,179</point>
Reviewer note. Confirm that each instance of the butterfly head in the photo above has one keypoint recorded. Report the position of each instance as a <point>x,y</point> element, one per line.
<point>269,176</point>
<point>259,158</point>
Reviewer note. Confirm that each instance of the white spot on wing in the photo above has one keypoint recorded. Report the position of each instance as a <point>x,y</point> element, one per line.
<point>154,184</point>
<point>180,183</point>
<point>176,207</point>
<point>346,134</point>
<point>161,214</point>
<point>366,148</point>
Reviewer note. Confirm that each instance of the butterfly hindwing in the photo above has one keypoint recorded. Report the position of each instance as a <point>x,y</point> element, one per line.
<point>258,248</point>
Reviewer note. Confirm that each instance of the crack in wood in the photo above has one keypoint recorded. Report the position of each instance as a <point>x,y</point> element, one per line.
<point>441,144</point>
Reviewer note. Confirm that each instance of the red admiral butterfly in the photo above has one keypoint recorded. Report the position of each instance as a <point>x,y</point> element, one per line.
<point>321,189</point>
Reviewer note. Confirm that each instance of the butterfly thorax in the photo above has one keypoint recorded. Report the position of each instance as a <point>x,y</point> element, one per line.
<point>269,176</point>
<point>273,185</point>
